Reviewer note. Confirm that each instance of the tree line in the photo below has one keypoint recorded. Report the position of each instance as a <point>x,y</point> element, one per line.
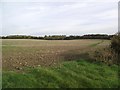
<point>60,37</point>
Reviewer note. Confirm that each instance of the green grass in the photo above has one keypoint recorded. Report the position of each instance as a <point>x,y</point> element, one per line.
<point>69,74</point>
<point>95,44</point>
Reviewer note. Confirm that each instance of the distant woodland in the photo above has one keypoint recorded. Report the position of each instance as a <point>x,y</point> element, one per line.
<point>59,37</point>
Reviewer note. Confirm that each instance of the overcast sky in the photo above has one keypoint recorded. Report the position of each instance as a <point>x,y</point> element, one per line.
<point>59,18</point>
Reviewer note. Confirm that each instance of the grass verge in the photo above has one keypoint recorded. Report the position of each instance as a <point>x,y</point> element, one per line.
<point>70,74</point>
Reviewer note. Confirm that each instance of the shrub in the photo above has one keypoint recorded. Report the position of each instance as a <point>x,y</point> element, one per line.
<point>105,55</point>
<point>115,46</point>
<point>110,54</point>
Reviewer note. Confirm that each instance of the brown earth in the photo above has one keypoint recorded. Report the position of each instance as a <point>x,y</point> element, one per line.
<point>17,53</point>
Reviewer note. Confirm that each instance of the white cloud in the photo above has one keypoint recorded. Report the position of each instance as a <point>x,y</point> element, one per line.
<point>59,0</point>
<point>60,18</point>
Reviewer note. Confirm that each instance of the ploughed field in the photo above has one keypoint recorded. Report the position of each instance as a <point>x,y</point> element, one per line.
<point>19,53</point>
<point>55,64</point>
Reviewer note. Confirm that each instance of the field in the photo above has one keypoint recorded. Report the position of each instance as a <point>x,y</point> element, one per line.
<point>46,63</point>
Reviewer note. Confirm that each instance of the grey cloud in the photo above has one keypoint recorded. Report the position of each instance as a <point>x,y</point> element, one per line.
<point>59,18</point>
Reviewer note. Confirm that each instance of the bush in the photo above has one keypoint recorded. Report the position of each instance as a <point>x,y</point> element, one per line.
<point>115,44</point>
<point>105,55</point>
<point>109,55</point>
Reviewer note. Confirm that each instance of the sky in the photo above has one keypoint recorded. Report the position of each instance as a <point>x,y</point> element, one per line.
<point>58,18</point>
